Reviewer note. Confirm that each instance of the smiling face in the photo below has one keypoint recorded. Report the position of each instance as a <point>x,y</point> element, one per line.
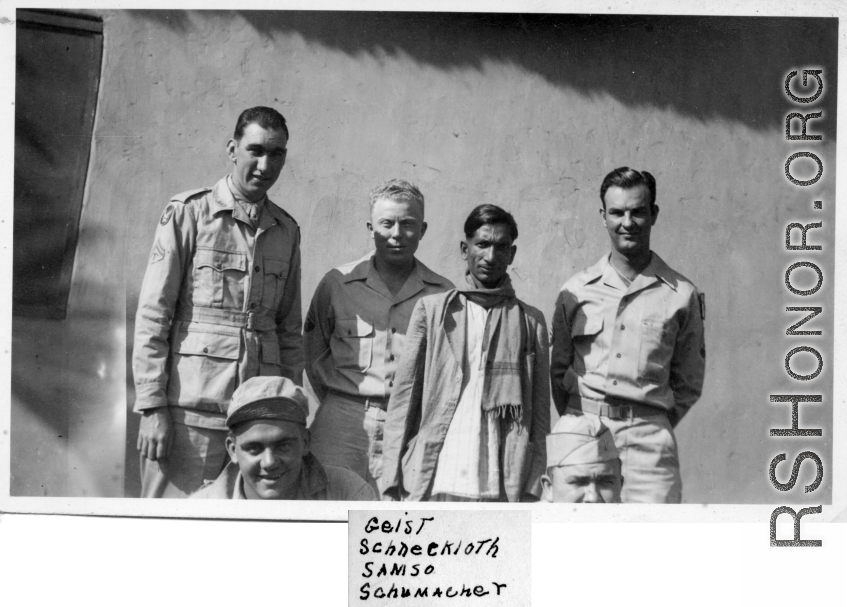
<point>257,158</point>
<point>629,217</point>
<point>596,483</point>
<point>396,227</point>
<point>269,454</point>
<point>489,252</point>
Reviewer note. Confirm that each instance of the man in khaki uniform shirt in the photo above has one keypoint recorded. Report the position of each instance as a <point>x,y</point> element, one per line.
<point>628,342</point>
<point>220,303</point>
<point>355,331</point>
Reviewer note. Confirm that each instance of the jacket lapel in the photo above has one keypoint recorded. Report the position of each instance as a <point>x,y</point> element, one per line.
<point>454,327</point>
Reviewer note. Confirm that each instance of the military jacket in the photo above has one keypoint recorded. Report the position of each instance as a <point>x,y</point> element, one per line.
<point>642,342</point>
<point>220,303</point>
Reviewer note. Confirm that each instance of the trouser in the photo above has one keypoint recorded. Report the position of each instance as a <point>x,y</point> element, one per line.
<point>345,433</point>
<point>648,451</point>
<point>196,455</point>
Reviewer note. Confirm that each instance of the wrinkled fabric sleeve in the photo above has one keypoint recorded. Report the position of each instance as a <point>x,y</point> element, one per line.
<point>320,323</point>
<point>562,355</point>
<point>540,410</point>
<point>403,417</point>
<point>289,319</point>
<point>170,259</point>
<point>364,493</point>
<point>688,365</point>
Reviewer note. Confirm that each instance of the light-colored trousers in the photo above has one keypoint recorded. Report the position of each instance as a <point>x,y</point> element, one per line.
<point>346,434</point>
<point>196,455</point>
<point>650,464</point>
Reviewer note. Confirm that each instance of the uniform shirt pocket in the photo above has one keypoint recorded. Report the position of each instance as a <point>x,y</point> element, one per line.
<point>275,276</point>
<point>271,363</point>
<point>585,331</point>
<point>658,336</point>
<point>203,370</point>
<point>352,344</point>
<point>219,278</point>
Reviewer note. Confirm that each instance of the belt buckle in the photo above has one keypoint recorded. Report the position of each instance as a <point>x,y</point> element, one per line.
<point>250,317</point>
<point>615,412</point>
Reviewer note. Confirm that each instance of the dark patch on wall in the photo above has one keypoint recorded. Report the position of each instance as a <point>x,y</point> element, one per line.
<point>703,67</point>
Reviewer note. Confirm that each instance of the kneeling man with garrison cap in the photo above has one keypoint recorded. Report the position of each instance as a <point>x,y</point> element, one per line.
<point>583,464</point>
<point>268,445</point>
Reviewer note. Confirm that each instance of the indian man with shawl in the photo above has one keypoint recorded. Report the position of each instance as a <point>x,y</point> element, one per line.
<point>470,408</point>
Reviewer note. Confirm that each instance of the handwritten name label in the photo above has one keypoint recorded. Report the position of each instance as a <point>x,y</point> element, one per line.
<point>439,557</point>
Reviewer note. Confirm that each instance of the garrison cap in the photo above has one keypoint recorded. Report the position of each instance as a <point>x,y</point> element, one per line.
<point>274,398</point>
<point>580,439</point>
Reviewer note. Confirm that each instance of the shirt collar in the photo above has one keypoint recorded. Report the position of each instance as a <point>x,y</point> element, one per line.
<point>225,200</point>
<point>313,478</point>
<point>238,490</point>
<point>366,269</point>
<point>593,273</point>
<point>657,269</point>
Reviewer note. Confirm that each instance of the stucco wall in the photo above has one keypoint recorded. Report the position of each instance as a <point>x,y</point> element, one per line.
<point>525,112</point>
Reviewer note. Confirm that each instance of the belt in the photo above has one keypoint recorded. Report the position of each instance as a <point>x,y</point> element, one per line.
<point>614,408</point>
<point>381,402</point>
<point>252,321</point>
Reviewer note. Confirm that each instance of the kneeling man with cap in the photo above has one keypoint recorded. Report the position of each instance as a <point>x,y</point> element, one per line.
<point>583,464</point>
<point>268,445</point>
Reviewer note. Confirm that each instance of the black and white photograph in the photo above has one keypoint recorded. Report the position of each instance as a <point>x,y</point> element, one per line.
<point>523,257</point>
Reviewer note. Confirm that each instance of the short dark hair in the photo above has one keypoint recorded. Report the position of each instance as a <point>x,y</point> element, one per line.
<point>626,179</point>
<point>489,214</point>
<point>265,117</point>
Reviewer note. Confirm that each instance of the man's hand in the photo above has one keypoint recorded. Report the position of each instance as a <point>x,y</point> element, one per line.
<point>154,434</point>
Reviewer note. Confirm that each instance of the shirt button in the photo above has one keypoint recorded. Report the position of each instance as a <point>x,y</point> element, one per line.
<point>205,350</point>
<point>618,355</point>
<point>622,327</point>
<point>391,384</point>
<point>256,269</point>
<point>615,383</point>
<point>253,305</point>
<point>391,357</point>
<point>394,330</point>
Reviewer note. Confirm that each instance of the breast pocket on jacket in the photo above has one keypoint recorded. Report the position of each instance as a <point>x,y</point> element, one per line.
<point>585,331</point>
<point>353,343</point>
<point>658,336</point>
<point>219,278</point>
<point>274,278</point>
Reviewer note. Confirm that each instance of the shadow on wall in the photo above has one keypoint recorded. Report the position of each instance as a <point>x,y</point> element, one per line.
<point>67,415</point>
<point>702,67</point>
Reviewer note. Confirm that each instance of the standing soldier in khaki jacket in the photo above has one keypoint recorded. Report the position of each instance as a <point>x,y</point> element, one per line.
<point>220,303</point>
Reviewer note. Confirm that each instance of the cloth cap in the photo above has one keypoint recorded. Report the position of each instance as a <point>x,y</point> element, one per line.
<point>580,439</point>
<point>276,398</point>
